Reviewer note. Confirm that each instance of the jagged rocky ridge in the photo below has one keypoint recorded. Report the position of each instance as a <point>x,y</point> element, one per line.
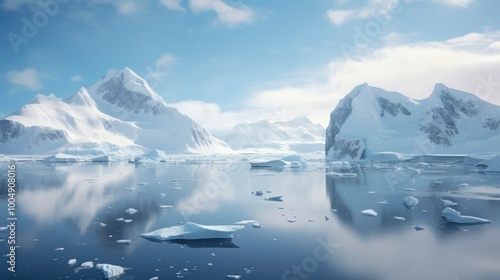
<point>369,121</point>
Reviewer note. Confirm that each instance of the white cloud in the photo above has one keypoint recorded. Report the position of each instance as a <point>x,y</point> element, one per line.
<point>230,15</point>
<point>76,78</point>
<point>29,78</point>
<point>123,7</point>
<point>373,8</point>
<point>468,63</point>
<point>172,4</point>
<point>457,3</point>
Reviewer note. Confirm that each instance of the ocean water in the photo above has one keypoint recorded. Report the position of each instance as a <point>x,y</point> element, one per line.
<point>317,231</point>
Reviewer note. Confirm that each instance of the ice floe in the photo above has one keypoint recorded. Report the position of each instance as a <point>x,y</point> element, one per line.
<point>109,270</point>
<point>448,203</point>
<point>292,161</point>
<point>71,261</point>
<point>369,212</point>
<point>131,211</point>
<point>88,264</point>
<point>453,216</point>
<point>275,198</point>
<point>191,231</point>
<point>124,241</point>
<point>399,218</point>
<point>410,202</point>
<point>233,277</point>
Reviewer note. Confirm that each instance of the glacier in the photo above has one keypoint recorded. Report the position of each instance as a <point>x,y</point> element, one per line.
<point>372,123</point>
<point>296,135</point>
<point>118,118</point>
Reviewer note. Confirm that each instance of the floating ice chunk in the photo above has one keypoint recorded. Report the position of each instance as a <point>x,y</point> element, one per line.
<point>109,270</point>
<point>327,218</point>
<point>154,278</point>
<point>275,198</point>
<point>191,231</point>
<point>131,211</point>
<point>102,224</point>
<point>88,264</point>
<point>127,221</point>
<point>245,222</point>
<point>419,228</point>
<point>268,163</point>
<point>383,201</point>
<point>453,216</point>
<point>59,249</point>
<point>256,225</point>
<point>233,277</point>
<point>119,219</point>
<point>291,220</point>
<point>408,189</point>
<point>448,203</point>
<point>162,206</point>
<point>369,212</point>
<point>410,202</point>
<point>72,262</point>
<point>123,241</point>
<point>399,218</point>
<point>259,193</point>
<point>210,264</point>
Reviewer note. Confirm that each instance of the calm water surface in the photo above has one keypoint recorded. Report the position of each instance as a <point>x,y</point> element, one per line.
<point>316,232</point>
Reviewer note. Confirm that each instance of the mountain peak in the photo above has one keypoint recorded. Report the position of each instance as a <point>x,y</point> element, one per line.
<point>126,91</point>
<point>81,97</point>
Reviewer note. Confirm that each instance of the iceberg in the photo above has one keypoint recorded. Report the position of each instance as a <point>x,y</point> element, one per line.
<point>110,271</point>
<point>453,216</point>
<point>369,212</point>
<point>410,202</point>
<point>192,231</point>
<point>292,161</point>
<point>131,211</point>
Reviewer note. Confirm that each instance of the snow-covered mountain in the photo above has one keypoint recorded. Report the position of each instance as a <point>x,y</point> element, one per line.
<point>119,115</point>
<point>299,135</point>
<point>371,121</point>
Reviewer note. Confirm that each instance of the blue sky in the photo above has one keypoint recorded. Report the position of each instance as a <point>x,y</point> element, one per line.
<point>227,61</point>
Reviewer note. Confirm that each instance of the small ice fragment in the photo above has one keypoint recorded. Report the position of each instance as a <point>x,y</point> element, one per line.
<point>408,189</point>
<point>333,210</point>
<point>275,198</point>
<point>259,193</point>
<point>88,264</point>
<point>123,241</point>
<point>162,206</point>
<point>369,212</point>
<point>110,271</point>
<point>311,220</point>
<point>291,220</point>
<point>326,218</point>
<point>419,228</point>
<point>131,211</point>
<point>383,201</point>
<point>453,216</point>
<point>370,192</point>
<point>399,218</point>
<point>59,249</point>
<point>109,236</point>
<point>256,225</point>
<point>185,270</point>
<point>210,264</point>
<point>154,278</point>
<point>119,219</point>
<point>448,203</point>
<point>142,183</point>
<point>72,262</point>
<point>244,222</point>
<point>410,202</point>
<point>102,224</point>
<point>127,221</point>
<point>233,277</point>
<point>464,185</point>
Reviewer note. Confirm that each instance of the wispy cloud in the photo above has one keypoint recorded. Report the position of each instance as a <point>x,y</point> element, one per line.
<point>372,8</point>
<point>457,3</point>
<point>76,78</point>
<point>27,78</point>
<point>227,14</point>
<point>160,69</point>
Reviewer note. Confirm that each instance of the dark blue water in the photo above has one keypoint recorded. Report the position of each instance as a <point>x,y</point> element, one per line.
<point>316,232</point>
